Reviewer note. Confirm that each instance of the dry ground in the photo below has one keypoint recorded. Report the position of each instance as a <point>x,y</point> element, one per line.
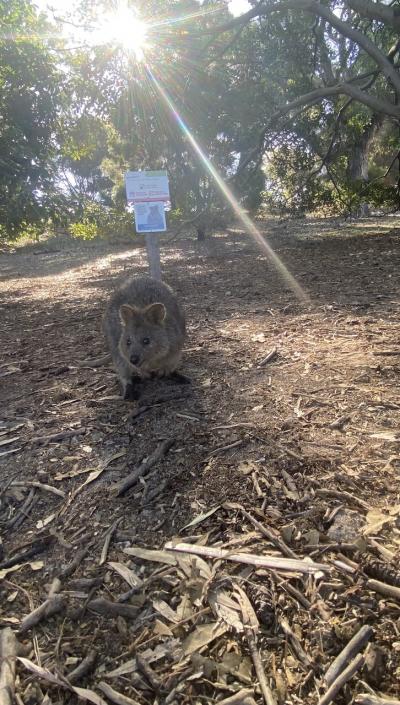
<point>307,443</point>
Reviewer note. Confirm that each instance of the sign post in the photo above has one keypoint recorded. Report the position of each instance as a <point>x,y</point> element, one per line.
<point>148,192</point>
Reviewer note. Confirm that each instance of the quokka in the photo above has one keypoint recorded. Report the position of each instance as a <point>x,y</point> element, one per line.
<point>145,330</point>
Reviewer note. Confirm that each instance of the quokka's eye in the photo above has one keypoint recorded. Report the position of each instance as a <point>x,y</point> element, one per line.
<point>128,342</point>
<point>146,341</point>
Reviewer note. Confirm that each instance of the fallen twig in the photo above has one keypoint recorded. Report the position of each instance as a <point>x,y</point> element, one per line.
<point>340,422</point>
<point>251,626</point>
<point>336,494</point>
<point>291,590</point>
<point>107,540</point>
<point>355,665</point>
<point>92,477</point>
<point>350,650</point>
<point>384,589</point>
<point>367,699</point>
<point>260,673</point>
<point>382,550</point>
<point>114,696</point>
<point>9,482</point>
<point>149,495</point>
<point>221,449</point>
<point>60,436</point>
<point>271,355</point>
<point>23,556</point>
<point>138,588</point>
<point>227,427</point>
<point>291,453</point>
<point>71,567</point>
<point>51,606</point>
<point>95,362</point>
<point>10,452</point>
<point>297,647</point>
<point>112,609</point>
<point>61,682</point>
<point>249,558</point>
<point>39,486</point>
<point>23,511</point>
<point>272,536</point>
<point>8,441</point>
<point>83,668</point>
<point>84,583</point>
<point>8,655</point>
<point>290,483</point>
<point>242,697</point>
<point>76,614</point>
<point>55,587</point>
<point>144,466</point>
<point>148,672</point>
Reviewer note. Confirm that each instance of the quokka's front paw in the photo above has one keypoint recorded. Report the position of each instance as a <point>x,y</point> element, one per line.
<point>180,378</point>
<point>131,392</point>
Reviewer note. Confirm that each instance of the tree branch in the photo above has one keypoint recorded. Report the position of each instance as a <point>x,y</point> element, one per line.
<point>358,37</point>
<point>376,11</point>
<point>338,119</point>
<point>226,47</point>
<point>262,10</point>
<point>378,105</point>
<point>240,21</point>
<point>375,104</point>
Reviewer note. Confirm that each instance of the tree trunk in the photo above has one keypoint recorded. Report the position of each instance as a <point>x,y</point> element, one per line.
<point>357,169</point>
<point>153,255</point>
<point>201,233</point>
<point>358,164</point>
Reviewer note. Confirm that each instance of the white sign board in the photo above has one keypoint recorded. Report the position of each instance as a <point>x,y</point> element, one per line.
<point>146,186</point>
<point>150,217</point>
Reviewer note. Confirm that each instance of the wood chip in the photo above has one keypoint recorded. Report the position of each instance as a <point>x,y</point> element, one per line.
<point>8,655</point>
<point>249,558</point>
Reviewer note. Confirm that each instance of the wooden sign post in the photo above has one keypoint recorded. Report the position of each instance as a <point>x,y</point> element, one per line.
<point>148,192</point>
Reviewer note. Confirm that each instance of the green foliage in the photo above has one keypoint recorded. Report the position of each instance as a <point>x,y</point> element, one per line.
<point>30,102</point>
<point>85,230</point>
<point>315,155</point>
<point>75,118</point>
<point>288,189</point>
<point>377,194</point>
<point>103,222</point>
<point>142,133</point>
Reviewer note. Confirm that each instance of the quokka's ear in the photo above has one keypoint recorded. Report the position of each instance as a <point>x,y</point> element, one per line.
<point>128,314</point>
<point>155,313</point>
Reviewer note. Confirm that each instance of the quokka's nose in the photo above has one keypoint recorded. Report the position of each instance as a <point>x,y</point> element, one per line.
<point>135,359</point>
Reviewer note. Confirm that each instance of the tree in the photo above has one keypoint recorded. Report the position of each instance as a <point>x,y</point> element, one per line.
<point>142,131</point>
<point>380,50</point>
<point>31,97</point>
<point>340,56</point>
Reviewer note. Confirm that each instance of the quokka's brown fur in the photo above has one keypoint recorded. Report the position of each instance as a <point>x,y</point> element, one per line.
<point>145,331</point>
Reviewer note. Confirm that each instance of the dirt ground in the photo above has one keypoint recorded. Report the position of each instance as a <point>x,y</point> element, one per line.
<point>296,456</point>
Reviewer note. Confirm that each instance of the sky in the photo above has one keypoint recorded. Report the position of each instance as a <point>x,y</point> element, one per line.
<point>237,7</point>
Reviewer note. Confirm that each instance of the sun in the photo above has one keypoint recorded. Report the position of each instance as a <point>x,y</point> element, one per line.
<point>123,27</point>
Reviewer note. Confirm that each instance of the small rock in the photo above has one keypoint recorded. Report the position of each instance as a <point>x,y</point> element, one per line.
<point>375,665</point>
<point>346,526</point>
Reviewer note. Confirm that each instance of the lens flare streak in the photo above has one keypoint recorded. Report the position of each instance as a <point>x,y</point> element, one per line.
<point>184,18</point>
<point>229,196</point>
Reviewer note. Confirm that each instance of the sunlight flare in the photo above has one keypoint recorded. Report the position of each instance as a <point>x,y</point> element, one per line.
<point>123,27</point>
<point>229,196</point>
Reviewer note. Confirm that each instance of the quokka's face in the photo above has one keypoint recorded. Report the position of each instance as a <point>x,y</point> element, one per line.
<point>144,339</point>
